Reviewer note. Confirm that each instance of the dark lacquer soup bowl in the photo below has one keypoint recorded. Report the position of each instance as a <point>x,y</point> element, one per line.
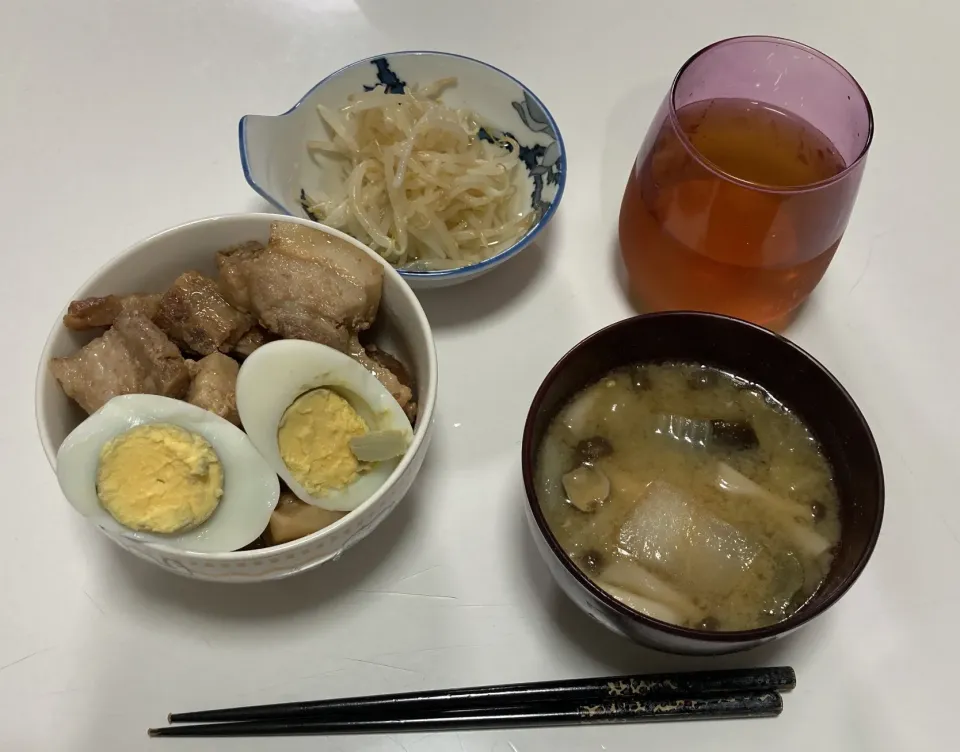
<point>795,378</point>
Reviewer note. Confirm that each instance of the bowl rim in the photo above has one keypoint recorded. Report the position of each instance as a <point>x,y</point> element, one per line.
<point>760,634</point>
<point>427,386</point>
<point>521,243</point>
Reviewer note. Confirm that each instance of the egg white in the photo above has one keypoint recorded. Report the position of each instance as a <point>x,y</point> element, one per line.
<point>277,373</point>
<point>250,486</point>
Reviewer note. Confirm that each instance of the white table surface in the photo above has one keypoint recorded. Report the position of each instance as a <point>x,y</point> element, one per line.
<point>119,118</point>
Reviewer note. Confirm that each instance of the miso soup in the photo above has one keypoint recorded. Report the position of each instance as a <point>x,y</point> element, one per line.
<point>691,496</point>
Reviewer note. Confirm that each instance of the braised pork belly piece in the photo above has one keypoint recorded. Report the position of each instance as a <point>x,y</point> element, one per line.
<point>195,315</point>
<point>99,312</point>
<point>214,385</point>
<point>132,357</point>
<point>304,285</point>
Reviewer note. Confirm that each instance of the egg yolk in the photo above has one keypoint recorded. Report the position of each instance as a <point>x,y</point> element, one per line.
<point>159,478</point>
<point>314,441</point>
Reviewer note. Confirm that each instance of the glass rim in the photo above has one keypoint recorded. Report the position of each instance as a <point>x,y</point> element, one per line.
<point>723,174</point>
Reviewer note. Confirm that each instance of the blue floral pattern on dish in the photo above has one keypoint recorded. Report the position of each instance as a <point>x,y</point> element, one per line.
<point>386,78</point>
<point>544,162</point>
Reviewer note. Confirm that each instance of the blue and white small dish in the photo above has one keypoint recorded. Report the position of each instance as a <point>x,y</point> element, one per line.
<point>278,166</point>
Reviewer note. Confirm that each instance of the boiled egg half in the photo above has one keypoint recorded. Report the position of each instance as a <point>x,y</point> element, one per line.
<point>160,470</point>
<point>323,422</point>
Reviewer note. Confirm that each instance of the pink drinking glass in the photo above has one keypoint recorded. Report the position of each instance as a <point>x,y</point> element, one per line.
<point>705,233</point>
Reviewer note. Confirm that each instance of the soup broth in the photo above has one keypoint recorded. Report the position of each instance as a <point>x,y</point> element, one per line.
<point>690,495</point>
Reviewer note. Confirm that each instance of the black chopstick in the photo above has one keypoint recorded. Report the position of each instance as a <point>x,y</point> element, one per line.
<point>578,691</point>
<point>739,705</point>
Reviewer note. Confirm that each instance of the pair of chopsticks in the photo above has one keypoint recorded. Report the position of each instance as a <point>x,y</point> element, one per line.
<point>738,693</point>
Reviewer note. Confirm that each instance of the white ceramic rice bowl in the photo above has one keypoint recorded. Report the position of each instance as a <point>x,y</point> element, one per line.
<point>150,266</point>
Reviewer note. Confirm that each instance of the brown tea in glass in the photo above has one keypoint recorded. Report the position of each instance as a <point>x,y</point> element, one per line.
<point>746,180</point>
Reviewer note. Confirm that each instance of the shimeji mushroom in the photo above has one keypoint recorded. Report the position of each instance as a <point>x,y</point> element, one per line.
<point>637,579</point>
<point>785,512</point>
<point>586,487</point>
<point>646,606</point>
